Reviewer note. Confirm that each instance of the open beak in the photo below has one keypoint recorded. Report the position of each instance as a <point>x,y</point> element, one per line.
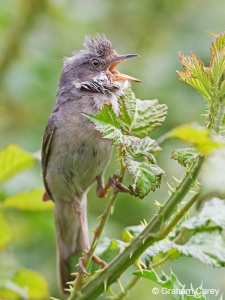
<point>116,75</point>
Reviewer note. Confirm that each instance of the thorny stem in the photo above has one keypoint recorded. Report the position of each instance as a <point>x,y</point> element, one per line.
<point>95,286</point>
<point>97,233</point>
<point>164,233</point>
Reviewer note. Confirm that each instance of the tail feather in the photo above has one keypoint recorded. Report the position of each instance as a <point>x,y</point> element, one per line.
<point>72,235</point>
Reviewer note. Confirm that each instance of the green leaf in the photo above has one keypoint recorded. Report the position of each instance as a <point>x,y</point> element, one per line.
<point>198,136</point>
<point>185,156</point>
<point>171,285</point>
<point>222,89</point>
<point>213,211</point>
<point>195,74</point>
<point>140,117</point>
<point>146,177</point>
<point>217,67</point>
<point>26,283</point>
<point>107,122</point>
<point>31,201</point>
<point>207,247</point>
<point>218,45</point>
<point>13,160</point>
<point>144,147</point>
<point>5,232</point>
<point>129,129</point>
<point>136,118</point>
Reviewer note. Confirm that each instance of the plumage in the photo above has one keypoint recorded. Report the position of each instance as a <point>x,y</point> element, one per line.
<point>74,154</point>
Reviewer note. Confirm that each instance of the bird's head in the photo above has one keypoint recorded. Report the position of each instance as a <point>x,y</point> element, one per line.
<point>99,56</point>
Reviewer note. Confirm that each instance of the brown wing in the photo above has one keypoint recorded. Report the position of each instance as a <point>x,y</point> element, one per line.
<point>46,149</point>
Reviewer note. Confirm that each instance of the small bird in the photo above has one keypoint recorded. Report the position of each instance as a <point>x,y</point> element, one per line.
<point>74,154</point>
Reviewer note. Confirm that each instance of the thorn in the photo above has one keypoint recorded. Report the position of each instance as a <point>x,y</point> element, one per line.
<point>192,192</point>
<point>130,236</point>
<point>105,285</point>
<point>140,265</point>
<point>144,223</point>
<point>99,217</point>
<point>121,286</point>
<point>109,290</point>
<point>68,290</point>
<point>177,180</point>
<point>170,187</point>
<point>70,283</point>
<point>158,204</point>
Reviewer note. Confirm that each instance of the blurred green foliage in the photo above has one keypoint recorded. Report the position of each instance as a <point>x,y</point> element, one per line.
<point>35,36</point>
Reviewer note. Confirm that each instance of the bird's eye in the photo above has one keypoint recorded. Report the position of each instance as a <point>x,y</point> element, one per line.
<point>95,62</point>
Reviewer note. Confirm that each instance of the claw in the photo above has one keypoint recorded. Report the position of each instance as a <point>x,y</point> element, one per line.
<point>81,268</point>
<point>113,182</point>
<point>117,185</point>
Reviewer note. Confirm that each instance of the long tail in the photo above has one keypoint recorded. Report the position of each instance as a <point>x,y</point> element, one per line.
<point>72,235</point>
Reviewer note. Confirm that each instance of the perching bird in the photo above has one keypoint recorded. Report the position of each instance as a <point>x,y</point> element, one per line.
<point>74,154</point>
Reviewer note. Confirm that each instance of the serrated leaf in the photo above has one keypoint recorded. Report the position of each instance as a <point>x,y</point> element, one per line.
<point>185,156</point>
<point>174,287</point>
<point>136,117</point>
<point>13,160</point>
<point>5,232</point>
<point>195,74</point>
<point>198,136</point>
<point>212,211</point>
<point>217,67</point>
<point>207,247</point>
<point>144,147</point>
<point>171,283</point>
<point>222,89</point>
<point>107,122</point>
<point>168,282</point>
<point>218,45</point>
<point>140,117</point>
<point>31,201</point>
<point>146,177</point>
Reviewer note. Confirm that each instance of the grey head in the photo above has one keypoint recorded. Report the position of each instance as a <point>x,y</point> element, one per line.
<point>94,68</point>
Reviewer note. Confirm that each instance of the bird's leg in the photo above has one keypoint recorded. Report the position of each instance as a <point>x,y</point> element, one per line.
<point>113,182</point>
<point>79,208</point>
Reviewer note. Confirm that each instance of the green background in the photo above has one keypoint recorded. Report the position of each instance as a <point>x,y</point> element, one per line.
<point>35,36</point>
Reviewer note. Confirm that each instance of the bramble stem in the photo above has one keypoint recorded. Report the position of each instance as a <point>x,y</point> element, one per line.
<point>95,286</point>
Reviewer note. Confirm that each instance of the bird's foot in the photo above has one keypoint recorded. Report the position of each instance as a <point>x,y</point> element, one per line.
<point>117,185</point>
<point>113,182</point>
<point>81,268</point>
<point>99,261</point>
